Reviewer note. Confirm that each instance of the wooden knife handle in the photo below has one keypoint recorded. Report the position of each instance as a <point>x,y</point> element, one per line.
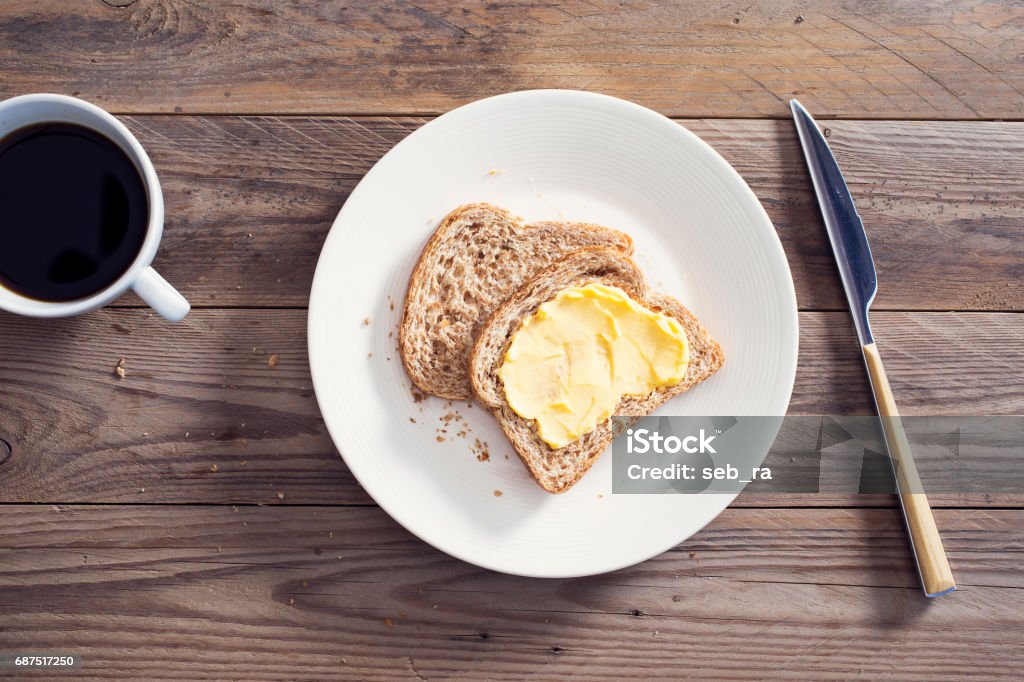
<point>936,576</point>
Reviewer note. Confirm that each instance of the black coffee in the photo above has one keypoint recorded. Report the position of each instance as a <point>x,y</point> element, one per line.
<point>73,211</point>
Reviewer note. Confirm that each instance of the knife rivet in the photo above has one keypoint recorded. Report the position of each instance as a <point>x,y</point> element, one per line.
<point>5,451</point>
<point>827,132</point>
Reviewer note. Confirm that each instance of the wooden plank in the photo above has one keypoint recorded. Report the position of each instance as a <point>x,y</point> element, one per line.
<point>927,59</point>
<point>200,417</point>
<point>250,201</point>
<point>270,593</point>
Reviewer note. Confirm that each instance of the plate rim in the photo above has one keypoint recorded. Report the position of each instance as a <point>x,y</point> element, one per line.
<point>589,98</point>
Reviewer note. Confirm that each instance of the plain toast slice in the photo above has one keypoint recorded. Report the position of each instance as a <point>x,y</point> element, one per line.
<point>556,470</point>
<point>477,257</point>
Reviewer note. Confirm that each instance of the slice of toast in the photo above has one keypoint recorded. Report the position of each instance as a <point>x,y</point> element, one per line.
<point>557,470</point>
<point>477,257</point>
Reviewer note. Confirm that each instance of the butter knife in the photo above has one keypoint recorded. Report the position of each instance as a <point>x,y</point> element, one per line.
<point>857,272</point>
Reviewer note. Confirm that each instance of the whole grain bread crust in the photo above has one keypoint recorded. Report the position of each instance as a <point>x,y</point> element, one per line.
<point>477,257</point>
<point>557,470</point>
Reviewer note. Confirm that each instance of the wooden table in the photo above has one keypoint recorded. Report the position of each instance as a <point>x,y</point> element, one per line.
<point>193,520</point>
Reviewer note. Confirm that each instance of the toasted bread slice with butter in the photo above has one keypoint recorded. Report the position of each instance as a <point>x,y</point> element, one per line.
<point>556,470</point>
<point>477,257</point>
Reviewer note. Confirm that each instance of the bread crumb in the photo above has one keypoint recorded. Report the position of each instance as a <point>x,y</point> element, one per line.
<point>119,368</point>
<point>369,355</point>
<point>391,305</point>
<point>800,19</point>
<point>495,171</point>
<point>440,439</point>
<point>273,360</point>
<point>213,468</point>
<point>280,495</point>
<point>418,397</point>
<point>388,623</point>
<point>481,450</point>
<point>498,493</point>
<point>600,496</point>
<point>412,420</point>
<point>366,321</point>
<point>291,601</point>
<point>305,583</point>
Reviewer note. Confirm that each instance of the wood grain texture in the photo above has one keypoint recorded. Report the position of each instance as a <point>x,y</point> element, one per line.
<point>305,592</point>
<point>250,200</point>
<point>200,417</point>
<point>928,59</point>
<point>159,575</point>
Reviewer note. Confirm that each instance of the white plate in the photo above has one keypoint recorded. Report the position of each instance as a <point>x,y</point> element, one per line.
<point>701,236</point>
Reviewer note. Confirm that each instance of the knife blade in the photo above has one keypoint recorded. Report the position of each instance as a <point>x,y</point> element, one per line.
<point>845,229</point>
<point>860,282</point>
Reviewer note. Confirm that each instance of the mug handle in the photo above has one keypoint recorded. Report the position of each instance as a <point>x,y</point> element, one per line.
<point>160,296</point>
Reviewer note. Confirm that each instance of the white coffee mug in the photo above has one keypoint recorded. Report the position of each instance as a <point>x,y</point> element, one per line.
<point>26,110</point>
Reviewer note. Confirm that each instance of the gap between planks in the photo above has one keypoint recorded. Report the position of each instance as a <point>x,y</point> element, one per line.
<point>677,119</point>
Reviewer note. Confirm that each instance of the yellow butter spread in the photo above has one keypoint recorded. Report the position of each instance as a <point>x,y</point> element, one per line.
<point>571,362</point>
